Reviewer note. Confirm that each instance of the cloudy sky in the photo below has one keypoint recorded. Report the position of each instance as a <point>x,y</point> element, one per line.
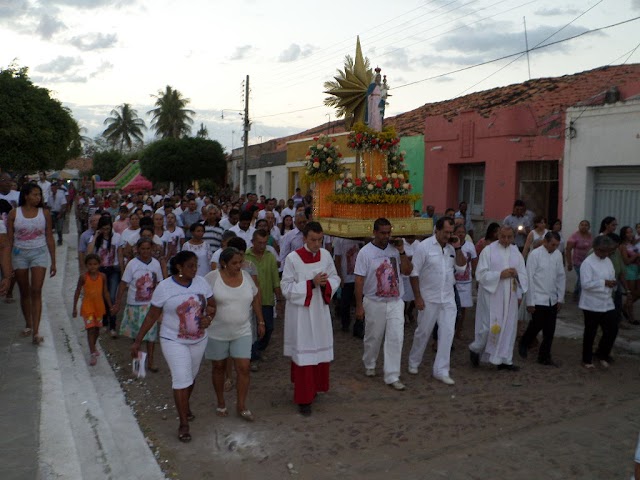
<point>96,54</point>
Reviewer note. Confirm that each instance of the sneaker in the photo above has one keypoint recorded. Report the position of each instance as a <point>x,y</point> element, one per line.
<point>604,364</point>
<point>253,366</point>
<point>397,385</point>
<point>446,380</point>
<point>370,372</point>
<point>412,370</point>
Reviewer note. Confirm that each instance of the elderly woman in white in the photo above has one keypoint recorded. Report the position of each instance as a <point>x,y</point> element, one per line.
<point>598,280</point>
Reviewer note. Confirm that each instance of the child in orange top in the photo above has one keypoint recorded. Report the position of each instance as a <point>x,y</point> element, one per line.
<point>93,308</point>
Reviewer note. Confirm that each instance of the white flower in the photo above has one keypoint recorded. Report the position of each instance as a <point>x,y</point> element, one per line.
<point>320,146</point>
<point>336,147</point>
<point>388,187</point>
<point>400,176</point>
<point>349,185</point>
<point>342,175</point>
<point>403,153</point>
<point>329,171</point>
<point>325,149</point>
<point>394,175</point>
<point>349,175</point>
<point>316,164</point>
<point>339,187</point>
<point>370,186</point>
<point>405,186</point>
<point>308,157</point>
<point>378,177</point>
<point>329,160</point>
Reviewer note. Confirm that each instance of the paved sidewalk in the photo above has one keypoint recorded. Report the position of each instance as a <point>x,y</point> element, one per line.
<point>19,397</point>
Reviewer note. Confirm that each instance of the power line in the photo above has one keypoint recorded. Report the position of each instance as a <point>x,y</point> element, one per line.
<point>307,75</point>
<point>488,62</point>
<point>529,50</point>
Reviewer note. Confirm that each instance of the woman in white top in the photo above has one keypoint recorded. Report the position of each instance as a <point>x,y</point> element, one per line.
<point>185,302</point>
<point>534,239</point>
<point>464,279</point>
<point>197,245</point>
<point>174,236</point>
<point>29,229</point>
<point>598,280</point>
<point>105,244</point>
<point>129,238</point>
<point>236,295</point>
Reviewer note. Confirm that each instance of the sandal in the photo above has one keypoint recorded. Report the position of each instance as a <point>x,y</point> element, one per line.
<point>246,415</point>
<point>184,436</point>
<point>228,385</point>
<point>93,360</point>
<point>37,340</point>
<point>589,366</point>
<point>26,332</point>
<point>222,411</point>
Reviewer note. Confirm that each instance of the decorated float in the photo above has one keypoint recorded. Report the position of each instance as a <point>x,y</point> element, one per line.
<point>346,203</point>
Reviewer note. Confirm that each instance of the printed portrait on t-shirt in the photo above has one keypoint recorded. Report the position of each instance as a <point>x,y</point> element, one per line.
<point>144,287</point>
<point>107,255</point>
<point>352,254</point>
<point>189,313</point>
<point>387,278</point>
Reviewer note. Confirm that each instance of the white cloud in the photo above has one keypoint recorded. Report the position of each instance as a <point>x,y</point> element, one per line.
<point>94,41</point>
<point>105,66</point>
<point>49,25</point>
<point>294,52</point>
<point>635,4</point>
<point>13,8</point>
<point>60,64</point>
<point>556,11</point>
<point>241,52</point>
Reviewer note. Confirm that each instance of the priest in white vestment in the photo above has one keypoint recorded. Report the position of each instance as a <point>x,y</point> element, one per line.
<point>309,280</point>
<point>502,281</point>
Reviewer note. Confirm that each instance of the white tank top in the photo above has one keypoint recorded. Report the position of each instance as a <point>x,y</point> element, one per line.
<point>29,232</point>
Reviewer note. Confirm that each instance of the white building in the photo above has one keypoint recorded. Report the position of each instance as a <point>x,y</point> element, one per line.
<point>601,168</point>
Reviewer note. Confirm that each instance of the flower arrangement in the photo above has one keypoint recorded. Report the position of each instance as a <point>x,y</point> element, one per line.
<point>393,189</point>
<point>365,139</point>
<point>324,161</point>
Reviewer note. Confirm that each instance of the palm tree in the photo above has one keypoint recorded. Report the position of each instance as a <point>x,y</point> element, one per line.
<point>170,118</point>
<point>124,127</point>
<point>203,132</point>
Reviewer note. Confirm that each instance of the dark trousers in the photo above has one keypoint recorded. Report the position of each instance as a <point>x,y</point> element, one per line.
<point>544,318</point>
<point>345,304</point>
<point>262,343</point>
<point>58,224</point>
<point>113,280</point>
<point>608,322</point>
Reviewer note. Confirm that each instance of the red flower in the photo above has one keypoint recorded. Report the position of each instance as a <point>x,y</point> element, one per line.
<point>374,141</point>
<point>328,144</point>
<point>396,184</point>
<point>385,179</point>
<point>339,155</point>
<point>315,139</point>
<point>379,184</point>
<point>333,140</point>
<point>358,182</point>
<point>358,136</point>
<point>368,179</point>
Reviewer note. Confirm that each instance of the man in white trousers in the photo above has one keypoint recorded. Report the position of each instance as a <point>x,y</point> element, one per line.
<point>434,262</point>
<point>378,292</point>
<point>502,280</point>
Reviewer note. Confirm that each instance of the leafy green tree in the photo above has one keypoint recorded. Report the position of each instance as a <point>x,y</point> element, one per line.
<point>124,126</point>
<point>171,118</point>
<point>184,160</point>
<point>108,163</point>
<point>36,131</point>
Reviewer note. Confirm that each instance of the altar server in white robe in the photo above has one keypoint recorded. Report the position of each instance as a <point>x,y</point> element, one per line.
<point>502,280</point>
<point>309,280</point>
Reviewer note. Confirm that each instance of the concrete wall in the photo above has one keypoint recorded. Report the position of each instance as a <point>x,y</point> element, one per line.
<point>278,181</point>
<point>603,136</point>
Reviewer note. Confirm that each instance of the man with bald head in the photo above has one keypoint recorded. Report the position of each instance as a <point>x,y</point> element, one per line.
<point>502,280</point>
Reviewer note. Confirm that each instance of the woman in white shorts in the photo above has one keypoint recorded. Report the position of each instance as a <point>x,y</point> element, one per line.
<point>30,233</point>
<point>236,295</point>
<point>185,302</point>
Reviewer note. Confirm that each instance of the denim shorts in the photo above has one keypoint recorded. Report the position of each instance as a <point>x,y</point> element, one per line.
<point>25,258</point>
<point>221,349</point>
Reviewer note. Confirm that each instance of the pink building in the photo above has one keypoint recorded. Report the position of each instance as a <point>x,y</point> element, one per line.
<point>493,147</point>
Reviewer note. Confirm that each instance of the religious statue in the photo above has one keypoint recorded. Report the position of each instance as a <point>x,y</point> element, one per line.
<point>373,116</point>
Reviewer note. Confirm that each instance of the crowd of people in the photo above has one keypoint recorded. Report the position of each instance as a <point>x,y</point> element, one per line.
<point>218,270</point>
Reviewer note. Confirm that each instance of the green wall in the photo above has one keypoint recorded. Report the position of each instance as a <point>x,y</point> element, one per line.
<point>414,160</point>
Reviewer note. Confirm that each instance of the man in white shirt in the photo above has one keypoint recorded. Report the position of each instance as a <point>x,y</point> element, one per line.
<point>293,239</point>
<point>231,219</point>
<point>520,223</point>
<point>45,185</point>
<point>289,209</point>
<point>379,291</point>
<point>58,204</point>
<point>243,228</point>
<point>432,280</point>
<point>269,207</point>
<point>545,271</point>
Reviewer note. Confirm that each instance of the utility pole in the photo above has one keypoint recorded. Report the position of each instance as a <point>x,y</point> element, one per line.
<point>246,128</point>
<point>526,43</point>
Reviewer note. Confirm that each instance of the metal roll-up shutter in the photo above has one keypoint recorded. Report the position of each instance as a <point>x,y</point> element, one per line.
<point>616,194</point>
